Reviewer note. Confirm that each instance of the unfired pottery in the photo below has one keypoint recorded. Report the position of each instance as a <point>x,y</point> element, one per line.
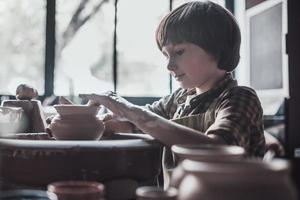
<point>77,190</point>
<point>12,120</point>
<point>33,111</point>
<point>236,180</point>
<point>151,193</point>
<point>204,153</point>
<point>76,122</point>
<point>26,92</point>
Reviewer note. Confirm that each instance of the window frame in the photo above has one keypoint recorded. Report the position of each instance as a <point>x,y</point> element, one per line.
<point>50,52</point>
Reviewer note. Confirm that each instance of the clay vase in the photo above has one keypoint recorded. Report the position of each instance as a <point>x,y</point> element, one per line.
<point>204,153</point>
<point>151,192</point>
<point>12,120</point>
<point>77,190</point>
<point>236,180</point>
<point>33,111</point>
<point>76,122</point>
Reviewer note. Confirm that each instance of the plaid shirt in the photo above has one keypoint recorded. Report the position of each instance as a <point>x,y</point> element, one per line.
<point>227,110</point>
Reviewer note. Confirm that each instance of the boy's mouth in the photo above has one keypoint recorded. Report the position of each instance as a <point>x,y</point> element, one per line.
<point>179,77</point>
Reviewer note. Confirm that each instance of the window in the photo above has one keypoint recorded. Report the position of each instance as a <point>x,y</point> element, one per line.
<point>84,46</point>
<point>22,44</point>
<point>141,67</point>
<point>263,64</point>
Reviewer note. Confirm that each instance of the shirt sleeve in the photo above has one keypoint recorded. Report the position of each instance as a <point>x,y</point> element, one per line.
<point>239,120</point>
<point>166,106</point>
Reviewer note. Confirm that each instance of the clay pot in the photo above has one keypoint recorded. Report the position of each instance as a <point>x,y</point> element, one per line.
<point>236,180</point>
<point>12,120</point>
<point>76,122</point>
<point>26,92</point>
<point>33,111</point>
<point>151,192</point>
<point>27,194</point>
<point>208,152</point>
<point>204,153</point>
<point>77,190</point>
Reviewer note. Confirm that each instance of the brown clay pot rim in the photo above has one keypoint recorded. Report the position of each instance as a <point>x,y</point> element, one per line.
<point>64,109</point>
<point>186,150</point>
<point>242,167</point>
<point>88,187</point>
<point>152,192</point>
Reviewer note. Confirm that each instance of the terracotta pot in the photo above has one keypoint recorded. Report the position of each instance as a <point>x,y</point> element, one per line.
<point>77,190</point>
<point>12,120</point>
<point>76,122</point>
<point>204,153</point>
<point>238,180</point>
<point>26,92</point>
<point>33,111</point>
<point>27,194</point>
<point>151,192</point>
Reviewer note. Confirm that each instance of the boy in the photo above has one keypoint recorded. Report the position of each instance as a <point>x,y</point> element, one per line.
<point>201,42</point>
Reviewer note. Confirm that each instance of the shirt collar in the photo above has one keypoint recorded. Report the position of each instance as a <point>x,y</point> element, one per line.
<point>190,94</point>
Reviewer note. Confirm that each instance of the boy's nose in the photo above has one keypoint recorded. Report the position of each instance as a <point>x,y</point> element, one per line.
<point>171,65</point>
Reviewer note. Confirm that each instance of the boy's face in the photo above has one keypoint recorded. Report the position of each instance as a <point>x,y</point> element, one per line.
<point>191,66</point>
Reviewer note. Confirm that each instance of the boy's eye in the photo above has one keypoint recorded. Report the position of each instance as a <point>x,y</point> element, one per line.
<point>179,52</point>
<point>166,55</point>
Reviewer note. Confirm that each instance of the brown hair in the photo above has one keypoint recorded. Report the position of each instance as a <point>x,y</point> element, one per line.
<point>207,25</point>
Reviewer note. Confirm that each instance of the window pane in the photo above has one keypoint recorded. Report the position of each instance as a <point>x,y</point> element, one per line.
<point>84,47</point>
<point>22,44</point>
<point>141,67</point>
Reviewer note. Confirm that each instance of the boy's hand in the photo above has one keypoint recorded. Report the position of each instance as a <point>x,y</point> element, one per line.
<point>119,106</point>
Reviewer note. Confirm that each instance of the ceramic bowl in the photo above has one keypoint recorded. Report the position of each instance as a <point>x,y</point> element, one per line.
<point>68,109</point>
<point>76,122</point>
<point>77,190</point>
<point>152,192</point>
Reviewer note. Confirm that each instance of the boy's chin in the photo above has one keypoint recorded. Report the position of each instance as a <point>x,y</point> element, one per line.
<point>185,86</point>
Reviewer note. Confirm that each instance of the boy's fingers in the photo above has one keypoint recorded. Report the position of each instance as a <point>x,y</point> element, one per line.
<point>96,99</point>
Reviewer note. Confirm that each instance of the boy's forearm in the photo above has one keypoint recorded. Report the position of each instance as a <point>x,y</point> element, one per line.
<point>166,131</point>
<point>115,126</point>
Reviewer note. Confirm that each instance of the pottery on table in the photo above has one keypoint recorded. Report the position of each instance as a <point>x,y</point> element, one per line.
<point>236,180</point>
<point>27,194</point>
<point>204,153</point>
<point>76,122</point>
<point>123,163</point>
<point>33,111</point>
<point>77,190</point>
<point>12,120</point>
<point>26,92</point>
<point>152,192</point>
